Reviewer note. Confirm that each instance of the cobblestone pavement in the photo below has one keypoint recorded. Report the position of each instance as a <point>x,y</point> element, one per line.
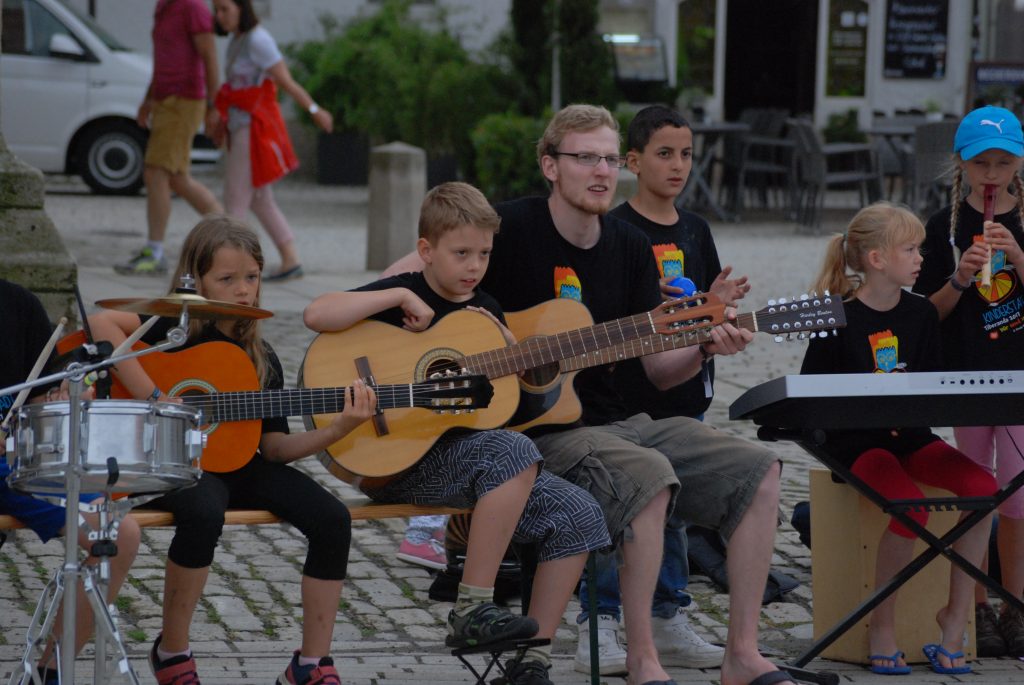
<point>387,629</point>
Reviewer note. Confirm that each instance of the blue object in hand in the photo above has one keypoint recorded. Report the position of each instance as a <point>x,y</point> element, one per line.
<point>688,286</point>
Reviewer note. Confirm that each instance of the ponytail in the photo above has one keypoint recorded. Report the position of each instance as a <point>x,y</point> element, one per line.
<point>834,276</point>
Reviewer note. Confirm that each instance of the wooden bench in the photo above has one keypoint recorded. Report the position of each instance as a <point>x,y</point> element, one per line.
<point>362,509</point>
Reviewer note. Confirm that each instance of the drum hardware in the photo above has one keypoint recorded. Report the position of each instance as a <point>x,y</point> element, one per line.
<point>62,590</point>
<point>172,305</point>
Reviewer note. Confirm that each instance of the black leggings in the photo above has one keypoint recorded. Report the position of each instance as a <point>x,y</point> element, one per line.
<point>279,488</point>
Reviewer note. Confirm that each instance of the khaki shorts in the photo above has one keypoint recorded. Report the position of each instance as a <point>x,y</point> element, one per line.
<point>713,476</point>
<point>175,121</point>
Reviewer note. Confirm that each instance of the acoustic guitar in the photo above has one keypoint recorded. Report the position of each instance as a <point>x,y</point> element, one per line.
<point>556,339</point>
<point>219,379</point>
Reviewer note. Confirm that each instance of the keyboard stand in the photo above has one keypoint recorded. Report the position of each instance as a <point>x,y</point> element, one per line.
<point>980,507</point>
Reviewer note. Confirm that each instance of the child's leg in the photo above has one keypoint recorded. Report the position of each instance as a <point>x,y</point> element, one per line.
<point>319,610</point>
<point>199,520</point>
<point>1009,442</point>
<point>941,465</point>
<point>881,470</point>
<point>494,520</point>
<point>183,587</point>
<point>977,443</point>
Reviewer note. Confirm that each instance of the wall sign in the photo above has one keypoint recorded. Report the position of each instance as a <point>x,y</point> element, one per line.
<point>915,39</point>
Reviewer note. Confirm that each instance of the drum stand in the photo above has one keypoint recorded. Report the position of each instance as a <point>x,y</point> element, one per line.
<point>95,581</point>
<point>64,585</point>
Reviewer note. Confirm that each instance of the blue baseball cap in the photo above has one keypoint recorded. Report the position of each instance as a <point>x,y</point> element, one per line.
<point>988,128</point>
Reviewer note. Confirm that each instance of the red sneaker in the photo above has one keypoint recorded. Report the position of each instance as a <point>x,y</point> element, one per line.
<point>321,674</point>
<point>178,670</point>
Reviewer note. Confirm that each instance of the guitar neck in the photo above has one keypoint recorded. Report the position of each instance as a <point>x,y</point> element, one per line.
<point>263,404</point>
<point>551,349</point>
<point>650,345</point>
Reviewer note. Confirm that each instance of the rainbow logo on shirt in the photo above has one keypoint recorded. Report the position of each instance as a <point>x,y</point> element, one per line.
<point>670,260</point>
<point>567,284</point>
<point>885,350</point>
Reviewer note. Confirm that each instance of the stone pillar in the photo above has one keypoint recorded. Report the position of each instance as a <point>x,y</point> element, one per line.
<point>398,182</point>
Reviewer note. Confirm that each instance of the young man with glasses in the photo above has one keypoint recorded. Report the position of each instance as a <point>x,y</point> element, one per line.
<point>632,465</point>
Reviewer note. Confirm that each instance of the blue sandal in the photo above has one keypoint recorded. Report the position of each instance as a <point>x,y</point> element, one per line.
<point>932,652</point>
<point>895,669</point>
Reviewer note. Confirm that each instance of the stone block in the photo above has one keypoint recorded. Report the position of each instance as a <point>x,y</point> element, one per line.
<point>398,182</point>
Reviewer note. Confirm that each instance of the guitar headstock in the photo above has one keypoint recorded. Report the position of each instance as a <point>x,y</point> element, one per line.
<point>805,316</point>
<point>455,392</point>
<point>702,310</point>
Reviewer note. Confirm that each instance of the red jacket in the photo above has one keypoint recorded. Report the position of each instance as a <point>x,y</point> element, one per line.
<point>270,149</point>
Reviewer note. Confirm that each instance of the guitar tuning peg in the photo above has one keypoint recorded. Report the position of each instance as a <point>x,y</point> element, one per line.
<point>778,338</point>
<point>801,336</point>
<point>827,293</point>
<point>771,303</point>
<point>782,300</point>
<point>835,332</point>
<point>804,296</point>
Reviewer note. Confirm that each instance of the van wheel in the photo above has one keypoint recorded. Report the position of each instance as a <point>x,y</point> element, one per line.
<point>111,157</point>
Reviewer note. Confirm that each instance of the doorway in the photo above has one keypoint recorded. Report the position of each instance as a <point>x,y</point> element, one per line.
<point>770,55</point>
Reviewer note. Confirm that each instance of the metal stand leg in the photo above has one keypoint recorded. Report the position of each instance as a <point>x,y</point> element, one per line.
<point>95,580</point>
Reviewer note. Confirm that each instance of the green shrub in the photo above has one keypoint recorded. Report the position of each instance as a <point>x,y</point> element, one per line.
<point>393,79</point>
<point>506,157</point>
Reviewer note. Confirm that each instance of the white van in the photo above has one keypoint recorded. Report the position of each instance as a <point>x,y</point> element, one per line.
<point>69,93</point>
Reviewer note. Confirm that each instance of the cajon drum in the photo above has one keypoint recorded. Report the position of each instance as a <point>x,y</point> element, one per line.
<point>845,529</point>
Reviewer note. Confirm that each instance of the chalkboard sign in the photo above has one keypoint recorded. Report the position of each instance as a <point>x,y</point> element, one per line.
<point>915,39</point>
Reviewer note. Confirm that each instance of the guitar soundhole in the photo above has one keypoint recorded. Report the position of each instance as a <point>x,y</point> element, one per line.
<point>541,376</point>
<point>438,360</point>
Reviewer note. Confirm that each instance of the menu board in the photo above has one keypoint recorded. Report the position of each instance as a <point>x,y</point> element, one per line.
<point>915,39</point>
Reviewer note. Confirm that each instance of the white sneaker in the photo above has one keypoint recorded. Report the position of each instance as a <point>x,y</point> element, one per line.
<point>678,645</point>
<point>611,657</point>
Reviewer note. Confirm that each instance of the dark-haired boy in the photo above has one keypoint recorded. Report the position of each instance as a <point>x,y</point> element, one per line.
<point>660,152</point>
<point>497,472</point>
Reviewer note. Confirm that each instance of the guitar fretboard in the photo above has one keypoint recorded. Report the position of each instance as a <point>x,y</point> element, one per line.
<point>651,344</point>
<point>541,351</point>
<point>250,405</point>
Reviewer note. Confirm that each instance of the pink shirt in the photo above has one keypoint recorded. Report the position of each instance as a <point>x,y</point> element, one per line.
<point>177,67</point>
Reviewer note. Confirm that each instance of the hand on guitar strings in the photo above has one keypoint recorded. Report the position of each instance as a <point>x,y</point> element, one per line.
<point>727,338</point>
<point>360,403</point>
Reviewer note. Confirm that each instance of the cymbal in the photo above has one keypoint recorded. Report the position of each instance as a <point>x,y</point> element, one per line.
<point>172,305</point>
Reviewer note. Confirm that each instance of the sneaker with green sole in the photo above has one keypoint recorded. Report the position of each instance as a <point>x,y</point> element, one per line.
<point>143,264</point>
<point>486,624</point>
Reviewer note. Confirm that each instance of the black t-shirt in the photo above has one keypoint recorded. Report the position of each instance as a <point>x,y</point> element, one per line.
<point>684,248</point>
<point>27,332</point>
<point>417,283</point>
<point>985,330</point>
<point>532,263</point>
<point>210,333</point>
<point>903,339</point>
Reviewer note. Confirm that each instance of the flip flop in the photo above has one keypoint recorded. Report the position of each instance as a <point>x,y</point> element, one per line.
<point>895,669</point>
<point>932,652</point>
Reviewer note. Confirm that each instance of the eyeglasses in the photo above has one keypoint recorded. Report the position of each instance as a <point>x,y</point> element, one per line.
<point>591,159</point>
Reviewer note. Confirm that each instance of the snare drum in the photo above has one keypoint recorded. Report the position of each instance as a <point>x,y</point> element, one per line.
<point>156,445</point>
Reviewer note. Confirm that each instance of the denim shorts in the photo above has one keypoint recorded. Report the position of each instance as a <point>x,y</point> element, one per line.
<point>713,476</point>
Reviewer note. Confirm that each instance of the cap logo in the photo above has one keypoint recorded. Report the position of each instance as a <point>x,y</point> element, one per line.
<point>989,122</point>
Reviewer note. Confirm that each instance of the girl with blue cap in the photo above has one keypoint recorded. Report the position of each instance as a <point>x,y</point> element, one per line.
<point>982,325</point>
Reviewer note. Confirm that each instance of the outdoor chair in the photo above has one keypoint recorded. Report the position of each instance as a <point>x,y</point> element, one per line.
<point>761,160</point>
<point>819,169</point>
<point>929,185</point>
